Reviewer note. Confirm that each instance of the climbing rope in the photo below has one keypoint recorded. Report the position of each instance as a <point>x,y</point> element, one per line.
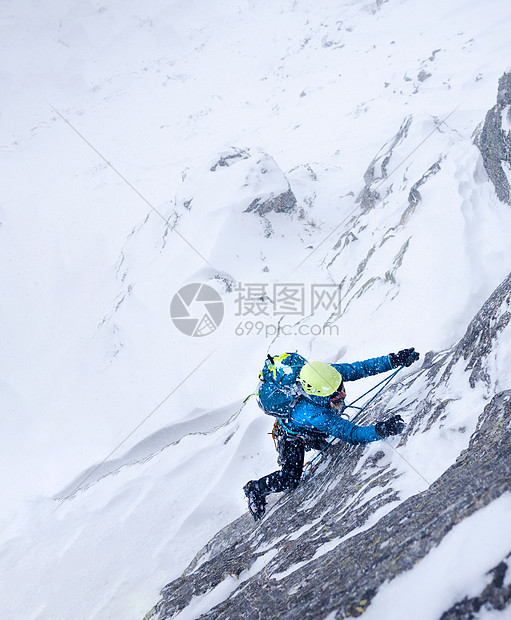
<point>383,384</point>
<point>308,466</point>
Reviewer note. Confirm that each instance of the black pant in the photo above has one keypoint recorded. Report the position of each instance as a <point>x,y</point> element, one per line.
<point>291,457</point>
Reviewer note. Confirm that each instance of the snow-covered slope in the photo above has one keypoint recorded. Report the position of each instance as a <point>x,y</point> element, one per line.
<point>247,145</point>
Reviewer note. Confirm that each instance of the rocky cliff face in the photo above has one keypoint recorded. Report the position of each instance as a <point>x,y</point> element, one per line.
<point>494,141</point>
<point>329,546</point>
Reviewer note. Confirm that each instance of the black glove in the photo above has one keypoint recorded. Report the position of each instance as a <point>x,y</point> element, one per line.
<point>405,357</point>
<point>392,426</point>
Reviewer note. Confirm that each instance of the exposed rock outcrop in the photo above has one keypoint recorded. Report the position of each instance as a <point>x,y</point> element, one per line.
<point>377,173</point>
<point>245,177</point>
<point>282,203</point>
<point>496,595</point>
<point>494,140</point>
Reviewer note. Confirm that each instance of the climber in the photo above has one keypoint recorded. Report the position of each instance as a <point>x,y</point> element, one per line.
<point>314,414</point>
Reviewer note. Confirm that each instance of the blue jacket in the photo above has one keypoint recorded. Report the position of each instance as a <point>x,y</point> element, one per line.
<point>314,412</point>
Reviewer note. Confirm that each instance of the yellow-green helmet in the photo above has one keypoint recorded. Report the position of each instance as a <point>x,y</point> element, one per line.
<point>320,379</point>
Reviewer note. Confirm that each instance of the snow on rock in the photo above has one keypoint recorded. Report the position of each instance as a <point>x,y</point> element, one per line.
<point>392,250</point>
<point>245,177</point>
<point>468,557</point>
<point>494,141</point>
<point>368,519</point>
<point>495,596</point>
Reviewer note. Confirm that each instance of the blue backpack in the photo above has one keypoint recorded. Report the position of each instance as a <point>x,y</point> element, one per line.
<point>280,388</point>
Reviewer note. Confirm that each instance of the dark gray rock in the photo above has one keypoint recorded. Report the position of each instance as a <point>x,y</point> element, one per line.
<point>495,143</point>
<point>414,197</point>
<point>377,173</point>
<point>230,157</point>
<point>283,203</point>
<point>495,595</point>
<point>482,334</point>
